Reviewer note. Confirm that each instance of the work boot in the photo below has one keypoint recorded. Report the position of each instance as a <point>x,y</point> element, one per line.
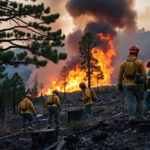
<point>30,128</point>
<point>48,126</point>
<point>23,129</point>
<point>139,116</point>
<point>131,119</point>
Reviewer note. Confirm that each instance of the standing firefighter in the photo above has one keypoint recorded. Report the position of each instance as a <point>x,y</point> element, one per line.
<point>52,105</point>
<point>147,97</point>
<point>25,108</point>
<point>133,72</point>
<point>87,99</point>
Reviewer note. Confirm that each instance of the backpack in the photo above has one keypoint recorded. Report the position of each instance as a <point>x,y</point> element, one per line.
<point>24,105</point>
<point>52,102</point>
<point>93,96</point>
<point>138,78</point>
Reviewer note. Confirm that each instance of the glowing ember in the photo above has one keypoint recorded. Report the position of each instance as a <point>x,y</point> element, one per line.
<point>77,75</point>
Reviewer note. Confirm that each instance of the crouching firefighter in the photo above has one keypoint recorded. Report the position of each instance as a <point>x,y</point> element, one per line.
<point>87,100</point>
<point>133,72</point>
<point>147,97</point>
<point>25,109</point>
<point>53,105</point>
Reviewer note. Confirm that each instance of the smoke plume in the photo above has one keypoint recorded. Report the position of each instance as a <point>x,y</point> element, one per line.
<point>117,12</point>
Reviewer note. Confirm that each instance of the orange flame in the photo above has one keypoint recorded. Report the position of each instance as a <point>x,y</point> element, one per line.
<point>77,75</point>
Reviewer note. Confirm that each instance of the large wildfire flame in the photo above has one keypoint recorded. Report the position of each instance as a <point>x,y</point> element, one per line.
<point>77,75</point>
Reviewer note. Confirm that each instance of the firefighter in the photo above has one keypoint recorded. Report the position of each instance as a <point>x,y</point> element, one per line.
<point>147,97</point>
<point>25,108</point>
<point>133,72</point>
<point>87,100</point>
<point>53,105</point>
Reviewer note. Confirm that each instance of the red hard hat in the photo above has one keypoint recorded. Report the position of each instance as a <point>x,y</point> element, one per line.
<point>82,85</point>
<point>134,49</point>
<point>29,96</point>
<point>55,91</point>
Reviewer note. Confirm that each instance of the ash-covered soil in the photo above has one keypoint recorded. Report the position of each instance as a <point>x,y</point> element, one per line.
<point>109,130</point>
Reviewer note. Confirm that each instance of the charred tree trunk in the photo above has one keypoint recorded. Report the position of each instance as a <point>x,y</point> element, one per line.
<point>75,115</point>
<point>2,107</point>
<point>14,100</point>
<point>43,138</point>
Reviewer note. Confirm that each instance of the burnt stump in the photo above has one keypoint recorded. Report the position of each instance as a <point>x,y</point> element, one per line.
<point>43,138</point>
<point>75,115</point>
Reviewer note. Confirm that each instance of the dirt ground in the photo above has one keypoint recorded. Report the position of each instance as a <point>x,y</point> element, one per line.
<point>109,130</point>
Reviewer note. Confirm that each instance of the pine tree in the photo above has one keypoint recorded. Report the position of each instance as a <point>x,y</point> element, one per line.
<point>88,62</point>
<point>15,82</point>
<point>99,76</point>
<point>35,89</point>
<point>30,31</point>
<point>64,74</point>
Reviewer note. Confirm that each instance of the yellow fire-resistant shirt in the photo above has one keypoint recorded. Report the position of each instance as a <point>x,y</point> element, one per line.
<point>53,100</point>
<point>30,107</point>
<point>87,97</point>
<point>128,68</point>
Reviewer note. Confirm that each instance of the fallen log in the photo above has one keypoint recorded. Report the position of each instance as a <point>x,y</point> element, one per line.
<point>43,138</point>
<point>138,121</point>
<point>90,128</point>
<point>61,144</point>
<point>75,115</point>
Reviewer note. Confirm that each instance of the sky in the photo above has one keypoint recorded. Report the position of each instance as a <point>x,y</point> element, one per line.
<point>143,10</point>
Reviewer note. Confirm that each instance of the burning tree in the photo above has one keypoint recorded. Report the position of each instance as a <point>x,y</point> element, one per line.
<point>26,27</point>
<point>99,76</point>
<point>64,73</point>
<point>88,61</point>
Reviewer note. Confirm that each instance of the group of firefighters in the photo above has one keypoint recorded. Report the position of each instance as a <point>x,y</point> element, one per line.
<point>132,80</point>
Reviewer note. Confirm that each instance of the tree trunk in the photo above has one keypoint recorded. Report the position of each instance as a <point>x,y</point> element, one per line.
<point>75,115</point>
<point>2,107</point>
<point>14,100</point>
<point>97,83</point>
<point>43,138</point>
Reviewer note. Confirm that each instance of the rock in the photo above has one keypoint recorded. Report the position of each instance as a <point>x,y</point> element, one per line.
<point>71,142</point>
<point>99,135</point>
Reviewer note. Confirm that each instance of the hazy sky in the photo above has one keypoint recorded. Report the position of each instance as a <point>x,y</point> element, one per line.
<point>143,10</point>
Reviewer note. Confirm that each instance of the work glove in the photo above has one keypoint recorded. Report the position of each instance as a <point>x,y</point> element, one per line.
<point>120,87</point>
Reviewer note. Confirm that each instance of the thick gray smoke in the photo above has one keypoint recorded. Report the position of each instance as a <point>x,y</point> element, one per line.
<point>117,12</point>
<point>71,64</point>
<point>101,27</point>
<point>73,41</point>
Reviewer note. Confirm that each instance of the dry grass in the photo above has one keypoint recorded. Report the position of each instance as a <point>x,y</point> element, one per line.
<point>75,125</point>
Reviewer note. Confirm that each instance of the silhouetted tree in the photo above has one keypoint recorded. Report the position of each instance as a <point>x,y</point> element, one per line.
<point>64,74</point>
<point>88,61</point>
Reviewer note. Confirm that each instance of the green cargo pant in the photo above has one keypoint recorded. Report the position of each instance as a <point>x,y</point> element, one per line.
<point>26,117</point>
<point>53,111</point>
<point>134,94</point>
<point>88,111</point>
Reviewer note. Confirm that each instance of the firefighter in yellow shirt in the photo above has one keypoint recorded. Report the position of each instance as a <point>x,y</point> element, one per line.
<point>25,108</point>
<point>53,105</point>
<point>132,75</point>
<point>87,100</point>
